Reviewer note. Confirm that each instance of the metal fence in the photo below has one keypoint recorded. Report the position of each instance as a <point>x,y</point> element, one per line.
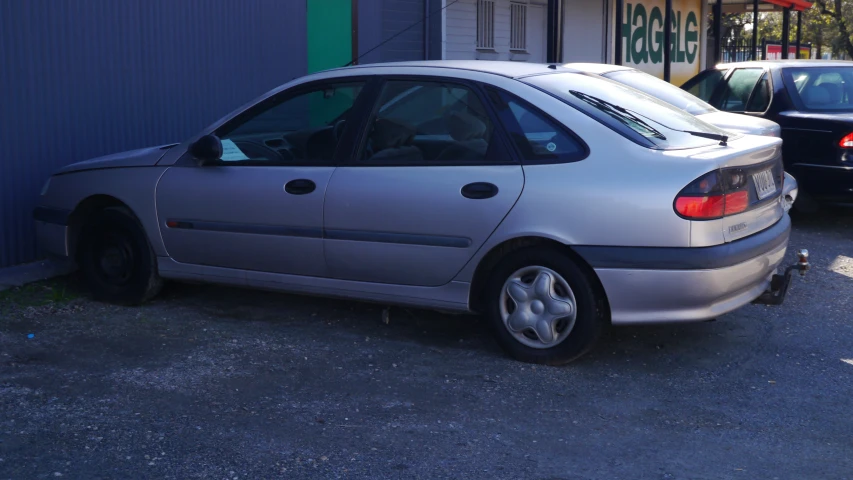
<point>740,50</point>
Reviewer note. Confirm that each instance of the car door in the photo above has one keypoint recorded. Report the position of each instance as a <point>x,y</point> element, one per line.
<point>706,83</point>
<point>812,131</point>
<point>260,206</point>
<point>735,92</point>
<point>431,181</point>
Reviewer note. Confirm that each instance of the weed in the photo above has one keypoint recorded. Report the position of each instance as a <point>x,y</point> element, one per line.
<point>54,291</point>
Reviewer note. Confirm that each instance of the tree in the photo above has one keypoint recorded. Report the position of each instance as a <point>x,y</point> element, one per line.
<point>818,30</point>
<point>838,14</point>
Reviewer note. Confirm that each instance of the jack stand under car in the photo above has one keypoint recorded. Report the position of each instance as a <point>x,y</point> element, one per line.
<point>775,295</point>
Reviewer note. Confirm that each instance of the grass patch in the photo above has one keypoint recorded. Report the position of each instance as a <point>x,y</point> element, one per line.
<point>58,291</point>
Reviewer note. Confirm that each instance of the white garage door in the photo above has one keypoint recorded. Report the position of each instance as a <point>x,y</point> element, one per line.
<point>536,37</point>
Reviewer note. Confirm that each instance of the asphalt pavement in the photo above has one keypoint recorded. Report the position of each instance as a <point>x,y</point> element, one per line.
<point>221,383</point>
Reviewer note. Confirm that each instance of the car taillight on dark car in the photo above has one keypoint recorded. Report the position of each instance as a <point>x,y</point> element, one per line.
<point>721,193</point>
<point>847,141</point>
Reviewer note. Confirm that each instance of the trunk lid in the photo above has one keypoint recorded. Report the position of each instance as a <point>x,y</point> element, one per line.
<point>750,178</point>
<point>764,185</point>
<point>744,124</point>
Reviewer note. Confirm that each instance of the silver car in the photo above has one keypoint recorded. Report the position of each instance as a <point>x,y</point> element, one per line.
<point>679,98</point>
<point>553,203</point>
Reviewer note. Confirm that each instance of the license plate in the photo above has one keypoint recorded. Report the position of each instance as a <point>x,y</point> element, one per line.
<point>765,186</point>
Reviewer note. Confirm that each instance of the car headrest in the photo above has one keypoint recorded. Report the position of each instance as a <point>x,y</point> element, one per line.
<point>464,126</point>
<point>389,133</point>
<point>814,95</point>
<point>833,90</point>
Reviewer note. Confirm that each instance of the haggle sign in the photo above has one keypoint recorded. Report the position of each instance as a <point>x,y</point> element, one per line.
<point>642,32</point>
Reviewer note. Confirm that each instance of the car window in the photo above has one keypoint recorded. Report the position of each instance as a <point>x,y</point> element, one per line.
<point>290,129</point>
<point>821,88</point>
<point>636,115</point>
<point>704,84</point>
<point>538,138</point>
<point>427,121</point>
<point>736,91</point>
<point>760,100</point>
<point>663,90</point>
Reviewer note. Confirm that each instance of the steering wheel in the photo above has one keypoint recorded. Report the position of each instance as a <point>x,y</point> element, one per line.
<point>254,150</point>
<point>338,129</point>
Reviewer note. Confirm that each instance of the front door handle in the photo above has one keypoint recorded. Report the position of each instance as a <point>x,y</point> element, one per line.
<point>300,186</point>
<point>479,190</point>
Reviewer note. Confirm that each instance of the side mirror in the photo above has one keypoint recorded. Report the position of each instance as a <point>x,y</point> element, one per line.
<point>206,149</point>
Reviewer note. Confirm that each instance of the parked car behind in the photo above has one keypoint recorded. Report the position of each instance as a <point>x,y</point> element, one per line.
<point>677,97</point>
<point>812,100</point>
<point>534,195</point>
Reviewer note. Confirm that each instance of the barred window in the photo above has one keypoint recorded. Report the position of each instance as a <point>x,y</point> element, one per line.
<point>518,26</point>
<point>486,24</point>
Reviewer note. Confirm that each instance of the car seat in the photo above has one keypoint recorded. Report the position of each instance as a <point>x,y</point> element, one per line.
<point>833,91</point>
<point>468,133</point>
<point>814,96</point>
<point>392,142</point>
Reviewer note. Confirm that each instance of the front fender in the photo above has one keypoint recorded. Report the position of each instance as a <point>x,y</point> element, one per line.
<point>134,187</point>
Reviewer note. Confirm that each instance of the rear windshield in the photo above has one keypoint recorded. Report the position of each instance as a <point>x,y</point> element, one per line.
<point>821,88</point>
<point>663,90</point>
<point>640,117</point>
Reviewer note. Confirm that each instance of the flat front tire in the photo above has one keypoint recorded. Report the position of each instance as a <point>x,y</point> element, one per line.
<point>116,259</point>
<point>542,307</point>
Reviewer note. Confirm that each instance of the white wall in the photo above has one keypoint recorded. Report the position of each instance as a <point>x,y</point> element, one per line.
<point>584,31</point>
<point>460,32</point>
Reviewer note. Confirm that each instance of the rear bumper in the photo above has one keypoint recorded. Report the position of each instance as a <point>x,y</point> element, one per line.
<point>825,182</point>
<point>659,285</point>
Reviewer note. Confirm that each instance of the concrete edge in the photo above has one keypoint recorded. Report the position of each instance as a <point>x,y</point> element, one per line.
<point>33,272</point>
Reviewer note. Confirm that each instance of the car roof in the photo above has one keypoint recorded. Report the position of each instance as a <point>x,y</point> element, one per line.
<point>497,67</point>
<point>788,63</point>
<point>596,68</point>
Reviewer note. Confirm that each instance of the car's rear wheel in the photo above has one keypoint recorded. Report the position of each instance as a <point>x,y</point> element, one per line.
<point>116,259</point>
<point>543,308</point>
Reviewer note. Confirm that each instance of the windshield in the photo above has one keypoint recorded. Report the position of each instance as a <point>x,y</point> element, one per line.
<point>665,91</point>
<point>637,115</point>
<point>821,88</point>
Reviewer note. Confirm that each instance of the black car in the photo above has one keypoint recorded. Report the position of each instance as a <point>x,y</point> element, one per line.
<point>812,100</point>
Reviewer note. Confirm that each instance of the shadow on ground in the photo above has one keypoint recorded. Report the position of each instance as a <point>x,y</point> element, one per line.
<point>214,382</point>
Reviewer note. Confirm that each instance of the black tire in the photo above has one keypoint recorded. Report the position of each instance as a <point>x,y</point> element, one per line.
<point>805,203</point>
<point>116,259</point>
<point>590,321</point>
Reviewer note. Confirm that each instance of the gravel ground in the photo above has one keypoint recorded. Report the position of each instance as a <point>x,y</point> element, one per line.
<point>210,382</point>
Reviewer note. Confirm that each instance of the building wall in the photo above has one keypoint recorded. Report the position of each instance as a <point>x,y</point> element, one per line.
<point>400,24</point>
<point>329,34</point>
<point>83,78</point>
<point>585,31</point>
<point>461,32</point>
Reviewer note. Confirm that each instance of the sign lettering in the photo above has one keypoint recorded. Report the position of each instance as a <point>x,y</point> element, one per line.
<point>642,36</point>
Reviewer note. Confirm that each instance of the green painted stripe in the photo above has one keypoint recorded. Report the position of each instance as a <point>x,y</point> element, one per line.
<point>329,34</point>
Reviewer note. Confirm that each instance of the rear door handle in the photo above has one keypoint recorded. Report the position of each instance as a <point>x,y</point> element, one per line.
<point>300,186</point>
<point>479,190</point>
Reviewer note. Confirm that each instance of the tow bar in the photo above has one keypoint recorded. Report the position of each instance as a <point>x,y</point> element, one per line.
<point>775,295</point>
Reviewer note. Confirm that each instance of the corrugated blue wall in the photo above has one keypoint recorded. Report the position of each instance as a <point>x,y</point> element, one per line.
<point>83,78</point>
<point>380,20</point>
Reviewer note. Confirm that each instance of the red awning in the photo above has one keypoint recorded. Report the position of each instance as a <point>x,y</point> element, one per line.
<point>796,5</point>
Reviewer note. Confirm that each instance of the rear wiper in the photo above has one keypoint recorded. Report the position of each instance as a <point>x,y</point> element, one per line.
<point>723,139</point>
<point>623,113</point>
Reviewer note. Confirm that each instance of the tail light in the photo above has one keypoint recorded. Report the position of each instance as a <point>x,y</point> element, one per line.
<point>724,192</point>
<point>847,141</point>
